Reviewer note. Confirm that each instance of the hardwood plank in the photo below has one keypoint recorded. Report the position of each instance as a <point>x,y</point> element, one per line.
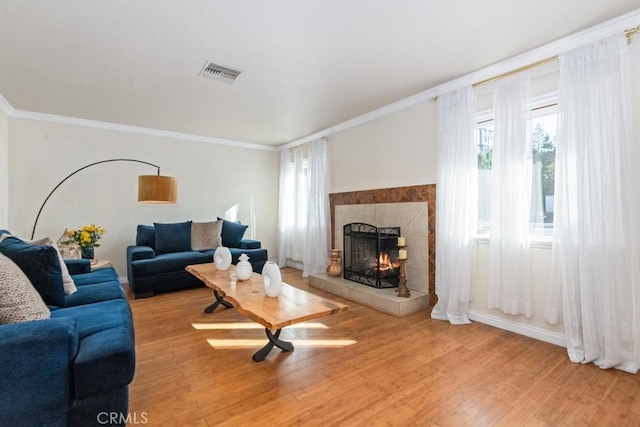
<point>409,371</point>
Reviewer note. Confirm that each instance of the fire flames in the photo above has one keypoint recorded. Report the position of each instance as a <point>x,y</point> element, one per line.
<point>384,263</point>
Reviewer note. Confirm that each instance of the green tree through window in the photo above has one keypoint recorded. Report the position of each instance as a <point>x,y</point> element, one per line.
<point>543,157</point>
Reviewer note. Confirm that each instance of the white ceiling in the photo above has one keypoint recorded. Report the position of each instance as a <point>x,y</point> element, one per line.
<point>308,64</point>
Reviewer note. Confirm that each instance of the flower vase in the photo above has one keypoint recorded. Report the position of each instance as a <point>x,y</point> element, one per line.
<point>87,253</point>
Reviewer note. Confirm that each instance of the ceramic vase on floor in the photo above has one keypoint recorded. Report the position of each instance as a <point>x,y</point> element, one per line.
<point>334,268</point>
<point>271,279</point>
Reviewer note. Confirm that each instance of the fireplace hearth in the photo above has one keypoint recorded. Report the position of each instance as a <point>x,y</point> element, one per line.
<point>371,255</point>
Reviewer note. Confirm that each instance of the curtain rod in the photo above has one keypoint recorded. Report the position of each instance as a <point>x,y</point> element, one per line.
<point>517,70</point>
<point>629,33</point>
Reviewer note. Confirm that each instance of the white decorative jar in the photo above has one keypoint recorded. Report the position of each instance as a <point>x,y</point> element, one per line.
<point>222,258</point>
<point>271,279</point>
<point>244,270</point>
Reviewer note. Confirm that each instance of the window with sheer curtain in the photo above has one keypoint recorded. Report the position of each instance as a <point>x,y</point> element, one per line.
<point>304,218</point>
<point>542,136</point>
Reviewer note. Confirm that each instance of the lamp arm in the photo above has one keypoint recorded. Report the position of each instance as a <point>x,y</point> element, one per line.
<point>33,232</point>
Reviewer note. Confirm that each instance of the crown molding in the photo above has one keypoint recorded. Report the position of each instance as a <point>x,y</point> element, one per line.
<point>5,107</point>
<point>367,117</point>
<point>53,118</point>
<point>590,35</point>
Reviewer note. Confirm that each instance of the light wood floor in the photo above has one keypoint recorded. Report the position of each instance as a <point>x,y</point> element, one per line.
<point>397,372</point>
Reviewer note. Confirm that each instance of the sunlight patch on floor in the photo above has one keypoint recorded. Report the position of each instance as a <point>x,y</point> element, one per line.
<point>240,343</point>
<point>251,325</point>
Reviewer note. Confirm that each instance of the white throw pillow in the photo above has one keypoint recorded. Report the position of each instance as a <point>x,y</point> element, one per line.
<point>206,235</point>
<point>19,300</point>
<point>67,280</point>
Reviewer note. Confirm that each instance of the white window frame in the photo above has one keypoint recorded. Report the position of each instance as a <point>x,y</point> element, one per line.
<point>541,234</point>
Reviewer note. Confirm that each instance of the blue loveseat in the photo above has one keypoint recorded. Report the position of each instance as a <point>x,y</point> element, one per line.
<point>156,263</point>
<point>73,367</point>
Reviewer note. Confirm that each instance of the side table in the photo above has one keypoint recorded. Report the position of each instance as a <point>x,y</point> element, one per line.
<point>100,263</point>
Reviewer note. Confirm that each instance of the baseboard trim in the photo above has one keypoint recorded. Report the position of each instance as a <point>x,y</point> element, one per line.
<point>518,328</point>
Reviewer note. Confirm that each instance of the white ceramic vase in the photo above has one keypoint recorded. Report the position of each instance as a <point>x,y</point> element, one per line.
<point>272,279</point>
<point>244,270</point>
<point>222,258</point>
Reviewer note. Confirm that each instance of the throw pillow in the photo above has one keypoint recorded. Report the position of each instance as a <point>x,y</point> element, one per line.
<point>40,264</point>
<point>173,237</point>
<point>19,301</point>
<point>206,235</point>
<point>232,233</point>
<point>67,281</point>
<point>146,236</point>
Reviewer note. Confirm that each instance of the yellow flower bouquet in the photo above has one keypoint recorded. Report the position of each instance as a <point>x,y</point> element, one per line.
<point>87,236</point>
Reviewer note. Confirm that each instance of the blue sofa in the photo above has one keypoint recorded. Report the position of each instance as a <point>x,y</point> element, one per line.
<point>156,263</point>
<point>74,367</point>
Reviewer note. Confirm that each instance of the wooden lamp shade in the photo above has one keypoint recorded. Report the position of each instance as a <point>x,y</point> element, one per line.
<point>157,189</point>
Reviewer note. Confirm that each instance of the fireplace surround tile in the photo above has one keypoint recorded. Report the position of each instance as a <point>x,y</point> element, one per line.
<point>418,193</point>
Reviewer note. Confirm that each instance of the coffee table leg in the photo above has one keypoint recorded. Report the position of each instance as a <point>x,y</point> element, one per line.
<point>273,341</point>
<point>219,300</point>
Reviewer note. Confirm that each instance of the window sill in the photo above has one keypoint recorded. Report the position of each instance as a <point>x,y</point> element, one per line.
<point>543,242</point>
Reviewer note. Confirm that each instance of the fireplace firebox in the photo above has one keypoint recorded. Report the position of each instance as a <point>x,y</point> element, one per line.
<point>371,255</point>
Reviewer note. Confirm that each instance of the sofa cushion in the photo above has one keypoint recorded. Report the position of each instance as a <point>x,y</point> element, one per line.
<point>146,236</point>
<point>206,235</point>
<point>172,237</point>
<point>232,233</point>
<point>89,294</point>
<point>250,244</point>
<point>19,301</point>
<point>101,275</point>
<point>93,318</point>
<point>168,263</point>
<point>67,281</point>
<point>40,264</point>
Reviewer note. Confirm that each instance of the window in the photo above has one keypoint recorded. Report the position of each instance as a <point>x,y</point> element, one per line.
<point>543,154</point>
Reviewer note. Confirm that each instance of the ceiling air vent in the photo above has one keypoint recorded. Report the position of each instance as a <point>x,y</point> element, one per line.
<point>219,72</point>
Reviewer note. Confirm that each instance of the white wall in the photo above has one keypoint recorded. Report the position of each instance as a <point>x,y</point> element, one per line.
<point>211,179</point>
<point>4,170</point>
<point>393,151</point>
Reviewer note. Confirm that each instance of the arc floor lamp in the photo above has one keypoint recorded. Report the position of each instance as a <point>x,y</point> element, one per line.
<point>151,188</point>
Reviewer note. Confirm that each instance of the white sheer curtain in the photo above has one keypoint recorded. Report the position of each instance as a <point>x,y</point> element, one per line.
<point>596,241</point>
<point>318,237</point>
<point>292,214</point>
<point>457,204</point>
<point>509,271</point>
<point>303,217</point>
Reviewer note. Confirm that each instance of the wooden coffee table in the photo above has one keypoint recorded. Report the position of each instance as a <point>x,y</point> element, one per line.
<point>292,305</point>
